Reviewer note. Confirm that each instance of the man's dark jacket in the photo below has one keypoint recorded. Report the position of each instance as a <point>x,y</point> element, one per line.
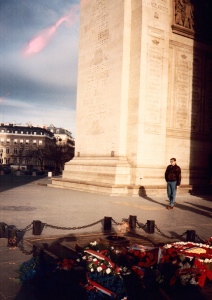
<point>173,173</point>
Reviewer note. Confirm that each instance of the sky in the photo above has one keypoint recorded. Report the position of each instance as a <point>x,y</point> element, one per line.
<point>38,62</point>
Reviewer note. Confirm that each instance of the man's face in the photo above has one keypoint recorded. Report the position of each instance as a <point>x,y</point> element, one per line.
<point>172,162</point>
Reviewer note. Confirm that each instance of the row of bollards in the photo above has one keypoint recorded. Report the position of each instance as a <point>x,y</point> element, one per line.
<point>150,227</point>
<point>132,221</point>
<point>11,232</point>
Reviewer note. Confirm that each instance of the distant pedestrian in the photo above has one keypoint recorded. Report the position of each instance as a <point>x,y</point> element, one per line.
<point>173,179</point>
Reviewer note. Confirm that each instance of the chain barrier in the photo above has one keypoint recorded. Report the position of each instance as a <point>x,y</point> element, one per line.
<point>72,228</point>
<point>21,243</point>
<point>27,228</point>
<point>201,240</point>
<point>22,248</point>
<point>170,237</point>
<point>121,223</point>
<point>141,226</point>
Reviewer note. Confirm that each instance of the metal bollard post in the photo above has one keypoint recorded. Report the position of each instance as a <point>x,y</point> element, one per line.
<point>37,227</point>
<point>12,237</point>
<point>190,235</point>
<point>2,230</point>
<point>150,226</point>
<point>107,223</point>
<point>132,222</point>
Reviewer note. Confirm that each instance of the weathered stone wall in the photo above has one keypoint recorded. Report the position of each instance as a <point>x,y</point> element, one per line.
<point>144,94</point>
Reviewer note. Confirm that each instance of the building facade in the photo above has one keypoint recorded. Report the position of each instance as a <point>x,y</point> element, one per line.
<point>62,135</point>
<point>16,141</point>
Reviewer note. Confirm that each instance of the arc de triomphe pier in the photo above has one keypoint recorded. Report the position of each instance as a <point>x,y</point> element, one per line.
<point>144,96</point>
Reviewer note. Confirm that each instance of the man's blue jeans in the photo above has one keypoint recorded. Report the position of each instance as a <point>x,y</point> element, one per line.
<point>171,191</point>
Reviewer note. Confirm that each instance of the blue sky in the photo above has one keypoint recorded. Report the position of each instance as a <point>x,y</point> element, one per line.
<point>39,85</point>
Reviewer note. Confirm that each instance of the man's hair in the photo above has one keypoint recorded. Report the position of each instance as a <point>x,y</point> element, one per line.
<point>174,159</point>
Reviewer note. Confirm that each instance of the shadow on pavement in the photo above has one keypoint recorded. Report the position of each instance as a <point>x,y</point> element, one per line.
<point>10,181</point>
<point>200,206</point>
<point>142,194</point>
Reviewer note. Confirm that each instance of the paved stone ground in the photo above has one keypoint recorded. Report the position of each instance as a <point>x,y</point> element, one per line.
<point>26,198</point>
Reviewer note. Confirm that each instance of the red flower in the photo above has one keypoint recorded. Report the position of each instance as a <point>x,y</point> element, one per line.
<point>136,253</point>
<point>138,271</point>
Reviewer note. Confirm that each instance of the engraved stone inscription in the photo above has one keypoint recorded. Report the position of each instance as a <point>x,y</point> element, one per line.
<point>99,72</point>
<point>160,5</point>
<point>197,93</point>
<point>154,81</point>
<point>208,97</point>
<point>182,90</point>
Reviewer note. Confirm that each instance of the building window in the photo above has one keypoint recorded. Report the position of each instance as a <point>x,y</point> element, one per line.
<point>34,142</point>
<point>16,132</point>
<point>15,151</point>
<point>15,141</point>
<point>1,150</point>
<point>21,141</point>
<point>40,142</point>
<point>2,140</point>
<point>2,130</point>
<point>8,141</point>
<point>22,132</point>
<point>35,132</point>
<point>27,142</point>
<point>7,150</point>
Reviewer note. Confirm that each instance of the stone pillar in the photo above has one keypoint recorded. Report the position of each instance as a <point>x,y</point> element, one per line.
<point>148,91</point>
<point>100,162</point>
<point>143,97</point>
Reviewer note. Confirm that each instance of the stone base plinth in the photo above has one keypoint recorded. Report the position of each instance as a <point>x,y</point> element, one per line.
<point>104,175</point>
<point>124,190</point>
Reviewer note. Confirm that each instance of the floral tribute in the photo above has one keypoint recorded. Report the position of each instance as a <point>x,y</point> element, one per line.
<point>101,271</point>
<point>192,261</point>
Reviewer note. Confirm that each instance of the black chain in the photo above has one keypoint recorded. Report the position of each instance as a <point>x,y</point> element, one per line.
<point>22,248</point>
<point>141,226</point>
<point>116,223</point>
<point>71,228</point>
<point>201,240</point>
<point>27,228</point>
<point>170,237</point>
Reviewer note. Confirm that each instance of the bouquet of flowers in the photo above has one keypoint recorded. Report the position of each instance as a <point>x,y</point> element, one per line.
<point>191,262</point>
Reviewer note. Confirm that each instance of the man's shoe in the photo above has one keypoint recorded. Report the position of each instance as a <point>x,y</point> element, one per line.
<point>170,207</point>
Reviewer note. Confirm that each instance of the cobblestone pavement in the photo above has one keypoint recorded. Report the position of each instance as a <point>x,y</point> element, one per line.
<point>26,198</point>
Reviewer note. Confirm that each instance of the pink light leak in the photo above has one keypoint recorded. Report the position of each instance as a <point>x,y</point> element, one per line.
<point>41,40</point>
<point>2,98</point>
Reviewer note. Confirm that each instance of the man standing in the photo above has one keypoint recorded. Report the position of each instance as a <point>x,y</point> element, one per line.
<point>173,179</point>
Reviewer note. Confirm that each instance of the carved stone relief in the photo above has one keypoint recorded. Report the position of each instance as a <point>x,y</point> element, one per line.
<point>192,18</point>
